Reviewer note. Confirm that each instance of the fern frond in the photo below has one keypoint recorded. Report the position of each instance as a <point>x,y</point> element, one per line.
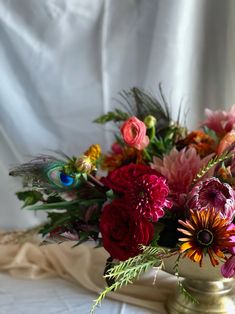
<point>212,162</point>
<point>127,271</point>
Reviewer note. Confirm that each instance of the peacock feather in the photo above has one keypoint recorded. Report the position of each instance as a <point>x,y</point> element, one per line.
<point>141,104</point>
<point>48,173</point>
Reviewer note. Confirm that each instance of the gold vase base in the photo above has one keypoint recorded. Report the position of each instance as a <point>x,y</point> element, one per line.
<point>212,296</point>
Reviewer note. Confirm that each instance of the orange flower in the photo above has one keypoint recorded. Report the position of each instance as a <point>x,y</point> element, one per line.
<point>225,142</point>
<point>93,152</point>
<point>202,142</point>
<point>207,233</point>
<point>126,156</point>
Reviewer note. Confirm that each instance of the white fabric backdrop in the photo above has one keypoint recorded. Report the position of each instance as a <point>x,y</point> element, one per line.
<point>62,62</point>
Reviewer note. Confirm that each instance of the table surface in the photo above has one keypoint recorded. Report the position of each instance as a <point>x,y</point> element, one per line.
<point>55,295</point>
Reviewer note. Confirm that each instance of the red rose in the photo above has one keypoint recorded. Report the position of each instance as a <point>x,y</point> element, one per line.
<point>122,178</point>
<point>121,233</point>
<point>134,133</point>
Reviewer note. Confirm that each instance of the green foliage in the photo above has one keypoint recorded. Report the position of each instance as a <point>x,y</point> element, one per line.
<point>126,272</point>
<point>58,205</point>
<point>55,220</point>
<point>117,115</point>
<point>29,197</point>
<point>211,133</point>
<point>54,198</point>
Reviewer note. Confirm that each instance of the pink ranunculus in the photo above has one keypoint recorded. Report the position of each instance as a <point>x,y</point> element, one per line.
<point>134,133</point>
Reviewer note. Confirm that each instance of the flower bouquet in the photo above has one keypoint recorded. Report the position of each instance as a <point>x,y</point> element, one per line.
<point>160,192</point>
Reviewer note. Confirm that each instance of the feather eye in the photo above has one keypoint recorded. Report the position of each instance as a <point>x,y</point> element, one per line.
<point>59,178</point>
<point>47,172</point>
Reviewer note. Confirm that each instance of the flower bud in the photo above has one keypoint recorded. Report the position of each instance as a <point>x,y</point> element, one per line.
<point>150,121</point>
<point>84,164</point>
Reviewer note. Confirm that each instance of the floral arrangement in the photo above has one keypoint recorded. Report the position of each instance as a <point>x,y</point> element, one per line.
<point>160,191</point>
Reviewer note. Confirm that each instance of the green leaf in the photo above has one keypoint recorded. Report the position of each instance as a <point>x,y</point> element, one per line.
<point>58,205</point>
<point>110,195</point>
<point>29,197</point>
<point>83,237</point>
<point>116,116</point>
<point>54,198</point>
<point>60,221</point>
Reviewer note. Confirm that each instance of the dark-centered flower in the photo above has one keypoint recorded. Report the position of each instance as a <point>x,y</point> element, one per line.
<point>213,193</point>
<point>207,233</point>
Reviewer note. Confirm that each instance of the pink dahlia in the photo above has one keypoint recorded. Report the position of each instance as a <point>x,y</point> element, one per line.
<point>180,168</point>
<point>147,196</point>
<point>211,193</point>
<point>220,121</point>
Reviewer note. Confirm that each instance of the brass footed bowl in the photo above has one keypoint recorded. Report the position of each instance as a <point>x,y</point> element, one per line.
<point>206,284</point>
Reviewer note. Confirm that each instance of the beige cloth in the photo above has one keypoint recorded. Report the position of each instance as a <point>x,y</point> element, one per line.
<point>84,265</point>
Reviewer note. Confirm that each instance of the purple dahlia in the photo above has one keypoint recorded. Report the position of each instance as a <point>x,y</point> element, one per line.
<point>212,193</point>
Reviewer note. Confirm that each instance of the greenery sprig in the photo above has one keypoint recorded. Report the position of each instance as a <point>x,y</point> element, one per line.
<point>117,115</point>
<point>126,272</point>
<point>212,162</point>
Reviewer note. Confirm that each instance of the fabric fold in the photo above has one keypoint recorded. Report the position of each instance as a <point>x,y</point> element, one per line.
<point>83,265</point>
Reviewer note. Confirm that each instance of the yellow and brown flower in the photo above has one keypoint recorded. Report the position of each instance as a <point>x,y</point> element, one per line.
<point>207,233</point>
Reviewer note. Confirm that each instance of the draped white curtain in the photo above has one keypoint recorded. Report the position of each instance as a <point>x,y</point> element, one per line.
<point>63,61</point>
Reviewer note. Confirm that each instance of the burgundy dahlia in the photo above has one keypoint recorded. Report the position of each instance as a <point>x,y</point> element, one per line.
<point>147,196</point>
<point>211,193</point>
<point>143,189</point>
<point>121,179</point>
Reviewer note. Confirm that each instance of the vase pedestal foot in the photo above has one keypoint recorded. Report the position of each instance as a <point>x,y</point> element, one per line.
<point>212,296</point>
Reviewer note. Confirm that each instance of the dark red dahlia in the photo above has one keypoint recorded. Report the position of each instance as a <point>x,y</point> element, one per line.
<point>121,179</point>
